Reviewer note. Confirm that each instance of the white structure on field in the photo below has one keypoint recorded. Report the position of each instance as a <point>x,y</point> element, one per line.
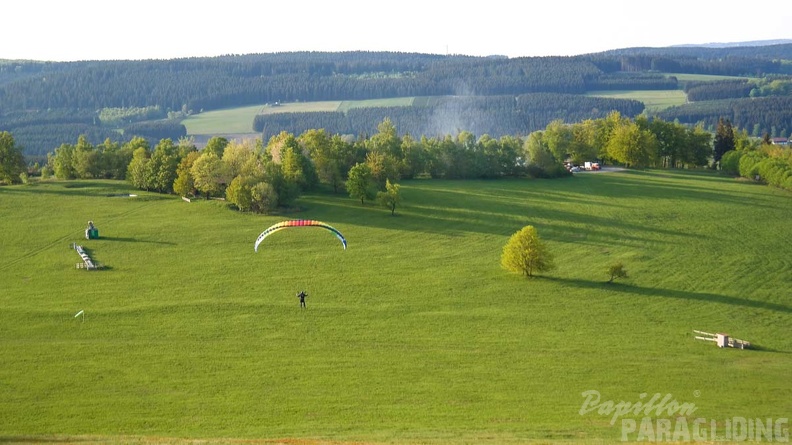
<point>723,340</point>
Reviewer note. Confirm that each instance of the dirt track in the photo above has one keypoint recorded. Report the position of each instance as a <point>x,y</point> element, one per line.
<point>605,169</point>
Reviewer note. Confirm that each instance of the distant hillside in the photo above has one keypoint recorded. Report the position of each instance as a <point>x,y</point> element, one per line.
<point>735,44</point>
<point>764,53</point>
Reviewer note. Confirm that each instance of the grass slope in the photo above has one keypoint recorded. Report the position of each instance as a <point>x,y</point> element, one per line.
<point>239,120</point>
<point>654,100</point>
<point>413,334</point>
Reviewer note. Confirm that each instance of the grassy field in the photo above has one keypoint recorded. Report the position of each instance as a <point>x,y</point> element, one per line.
<point>240,120</point>
<point>414,334</point>
<point>703,77</point>
<point>655,100</point>
<point>231,120</point>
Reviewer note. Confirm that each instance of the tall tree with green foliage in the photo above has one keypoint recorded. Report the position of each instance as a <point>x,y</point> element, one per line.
<point>138,169</point>
<point>208,172</point>
<point>184,185</point>
<point>386,140</point>
<point>631,145</point>
<point>724,140</point>
<point>670,141</point>
<point>61,162</point>
<point>559,139</point>
<point>216,145</point>
<point>319,146</point>
<point>383,167</point>
<point>12,161</point>
<point>583,147</point>
<point>697,145</point>
<point>526,253</point>
<point>285,191</point>
<point>540,160</point>
<point>237,154</point>
<point>360,184</point>
<point>391,197</point>
<point>164,164</point>
<point>85,159</point>
<point>604,130</point>
<point>412,161</point>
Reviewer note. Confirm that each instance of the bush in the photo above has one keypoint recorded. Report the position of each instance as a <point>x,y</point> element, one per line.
<point>730,162</point>
<point>616,270</point>
<point>749,164</point>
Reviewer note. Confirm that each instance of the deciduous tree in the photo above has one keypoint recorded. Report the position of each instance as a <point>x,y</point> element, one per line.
<point>138,169</point>
<point>537,152</point>
<point>631,145</point>
<point>164,163</point>
<point>264,198</point>
<point>216,145</point>
<point>360,184</point>
<point>526,253</point>
<point>85,160</point>
<point>391,197</point>
<point>184,185</point>
<point>208,173</point>
<point>12,162</point>
<point>559,139</point>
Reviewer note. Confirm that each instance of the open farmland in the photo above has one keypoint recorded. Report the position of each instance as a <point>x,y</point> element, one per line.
<point>240,120</point>
<point>655,100</point>
<point>414,334</point>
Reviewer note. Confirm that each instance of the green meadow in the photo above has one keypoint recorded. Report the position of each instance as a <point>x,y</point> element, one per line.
<point>704,77</point>
<point>654,100</point>
<point>229,120</point>
<point>414,334</point>
<point>240,120</point>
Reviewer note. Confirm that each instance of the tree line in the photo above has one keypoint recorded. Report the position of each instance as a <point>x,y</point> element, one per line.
<point>264,177</point>
<point>317,156</point>
<point>760,115</point>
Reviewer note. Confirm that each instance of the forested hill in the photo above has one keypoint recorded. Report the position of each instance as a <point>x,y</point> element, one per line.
<point>711,53</point>
<point>219,82</point>
<point>222,82</point>
<point>47,103</point>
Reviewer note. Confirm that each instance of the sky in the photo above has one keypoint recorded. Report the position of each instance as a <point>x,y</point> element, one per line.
<point>70,30</point>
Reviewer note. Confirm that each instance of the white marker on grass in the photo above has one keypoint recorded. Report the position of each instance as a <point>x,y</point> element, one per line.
<point>80,313</point>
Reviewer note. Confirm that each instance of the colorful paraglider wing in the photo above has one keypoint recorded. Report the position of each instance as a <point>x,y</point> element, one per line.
<point>298,223</point>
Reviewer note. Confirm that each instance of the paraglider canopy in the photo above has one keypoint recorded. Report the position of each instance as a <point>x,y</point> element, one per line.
<point>298,223</point>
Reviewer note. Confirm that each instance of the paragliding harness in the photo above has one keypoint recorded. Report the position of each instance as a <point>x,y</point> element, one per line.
<point>301,295</point>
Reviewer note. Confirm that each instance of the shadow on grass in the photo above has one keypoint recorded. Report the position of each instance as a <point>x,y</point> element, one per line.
<point>126,239</point>
<point>671,293</point>
<point>99,188</point>
<point>44,439</point>
<point>497,207</point>
<point>678,185</point>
